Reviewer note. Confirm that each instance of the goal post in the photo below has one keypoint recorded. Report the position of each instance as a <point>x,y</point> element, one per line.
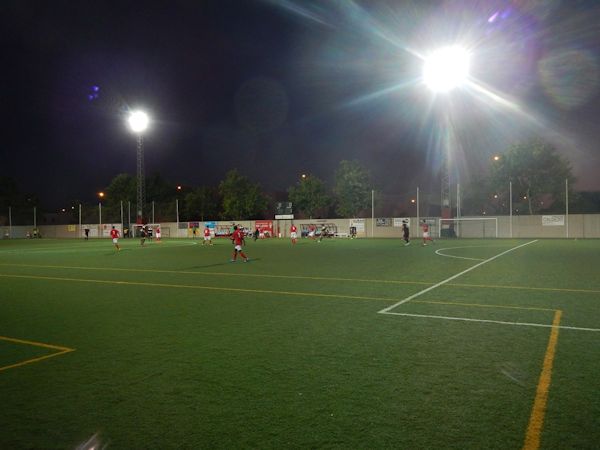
<point>151,227</point>
<point>469,227</point>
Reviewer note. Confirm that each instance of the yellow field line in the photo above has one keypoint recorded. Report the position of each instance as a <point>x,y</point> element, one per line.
<point>536,421</point>
<point>298,277</point>
<point>185,286</point>
<point>29,361</point>
<point>226,274</point>
<point>528,288</point>
<point>36,344</point>
<point>484,306</point>
<point>62,351</point>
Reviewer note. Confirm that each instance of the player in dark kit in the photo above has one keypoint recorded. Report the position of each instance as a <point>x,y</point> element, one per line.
<point>143,234</point>
<point>405,232</point>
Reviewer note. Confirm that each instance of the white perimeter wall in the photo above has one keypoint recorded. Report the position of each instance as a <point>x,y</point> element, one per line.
<point>579,226</point>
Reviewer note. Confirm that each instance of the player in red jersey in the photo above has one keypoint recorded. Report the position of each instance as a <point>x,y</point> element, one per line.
<point>293,233</point>
<point>207,237</point>
<point>426,236</point>
<point>114,234</point>
<point>238,241</point>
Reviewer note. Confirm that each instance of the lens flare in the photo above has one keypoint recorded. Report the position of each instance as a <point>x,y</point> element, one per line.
<point>446,68</point>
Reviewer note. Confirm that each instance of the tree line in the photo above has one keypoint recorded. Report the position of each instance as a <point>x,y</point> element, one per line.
<point>535,169</point>
<point>237,197</point>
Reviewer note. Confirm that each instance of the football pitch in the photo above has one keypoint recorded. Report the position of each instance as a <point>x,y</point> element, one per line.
<point>465,344</point>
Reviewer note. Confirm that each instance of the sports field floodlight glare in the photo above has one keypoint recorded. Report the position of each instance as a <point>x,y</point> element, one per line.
<point>138,121</point>
<point>446,68</point>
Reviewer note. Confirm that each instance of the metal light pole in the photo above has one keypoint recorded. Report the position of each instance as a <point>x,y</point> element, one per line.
<point>138,122</point>
<point>177,212</point>
<point>567,206</point>
<point>141,180</point>
<point>418,220</point>
<point>372,211</point>
<point>510,206</point>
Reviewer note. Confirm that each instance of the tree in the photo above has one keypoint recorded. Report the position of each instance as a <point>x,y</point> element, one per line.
<point>123,187</point>
<point>158,189</point>
<point>536,170</point>
<point>242,199</point>
<point>352,188</point>
<point>202,203</point>
<point>309,195</point>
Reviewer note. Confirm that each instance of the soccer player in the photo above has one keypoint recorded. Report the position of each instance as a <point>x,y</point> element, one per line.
<point>207,236</point>
<point>405,232</point>
<point>323,233</point>
<point>143,233</point>
<point>157,233</point>
<point>293,235</point>
<point>114,234</point>
<point>238,241</point>
<point>425,228</point>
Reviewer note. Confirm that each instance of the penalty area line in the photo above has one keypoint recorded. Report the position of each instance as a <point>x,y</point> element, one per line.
<point>430,288</point>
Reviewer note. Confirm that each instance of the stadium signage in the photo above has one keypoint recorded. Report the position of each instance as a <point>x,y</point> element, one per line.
<point>553,221</point>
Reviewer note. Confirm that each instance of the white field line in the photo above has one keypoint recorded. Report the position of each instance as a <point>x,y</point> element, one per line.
<point>466,319</point>
<point>430,288</point>
<point>464,246</point>
<point>437,252</point>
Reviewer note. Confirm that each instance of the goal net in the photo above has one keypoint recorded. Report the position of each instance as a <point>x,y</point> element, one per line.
<point>469,227</point>
<point>151,227</point>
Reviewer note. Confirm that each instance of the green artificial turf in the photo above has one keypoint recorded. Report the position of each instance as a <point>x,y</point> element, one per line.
<point>176,347</point>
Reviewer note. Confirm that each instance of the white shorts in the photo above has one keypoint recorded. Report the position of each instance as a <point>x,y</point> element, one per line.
<point>293,235</point>
<point>158,235</point>
<point>238,248</point>
<point>311,233</point>
<point>207,238</point>
<point>115,240</point>
<point>426,234</point>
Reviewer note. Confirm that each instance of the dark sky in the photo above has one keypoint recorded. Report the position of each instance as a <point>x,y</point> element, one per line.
<point>279,88</point>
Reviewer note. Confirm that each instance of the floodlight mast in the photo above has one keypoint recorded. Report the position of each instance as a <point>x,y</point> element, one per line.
<point>138,122</point>
<point>445,69</point>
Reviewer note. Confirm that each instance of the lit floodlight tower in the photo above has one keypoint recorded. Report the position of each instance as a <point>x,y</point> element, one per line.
<point>138,122</point>
<point>445,69</point>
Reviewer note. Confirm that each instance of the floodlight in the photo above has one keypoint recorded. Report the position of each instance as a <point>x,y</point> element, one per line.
<point>446,68</point>
<point>138,121</point>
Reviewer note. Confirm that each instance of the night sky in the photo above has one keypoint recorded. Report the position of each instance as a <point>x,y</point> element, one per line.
<point>280,88</point>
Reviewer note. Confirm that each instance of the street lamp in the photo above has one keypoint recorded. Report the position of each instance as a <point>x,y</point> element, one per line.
<point>496,158</point>
<point>138,123</point>
<point>100,196</point>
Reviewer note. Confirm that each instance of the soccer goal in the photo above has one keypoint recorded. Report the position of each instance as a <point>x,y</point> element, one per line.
<point>469,227</point>
<point>151,227</point>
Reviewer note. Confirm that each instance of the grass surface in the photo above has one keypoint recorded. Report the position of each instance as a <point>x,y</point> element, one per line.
<point>175,347</point>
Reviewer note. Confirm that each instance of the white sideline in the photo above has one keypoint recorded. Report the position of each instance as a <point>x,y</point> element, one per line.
<point>466,319</point>
<point>430,288</point>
